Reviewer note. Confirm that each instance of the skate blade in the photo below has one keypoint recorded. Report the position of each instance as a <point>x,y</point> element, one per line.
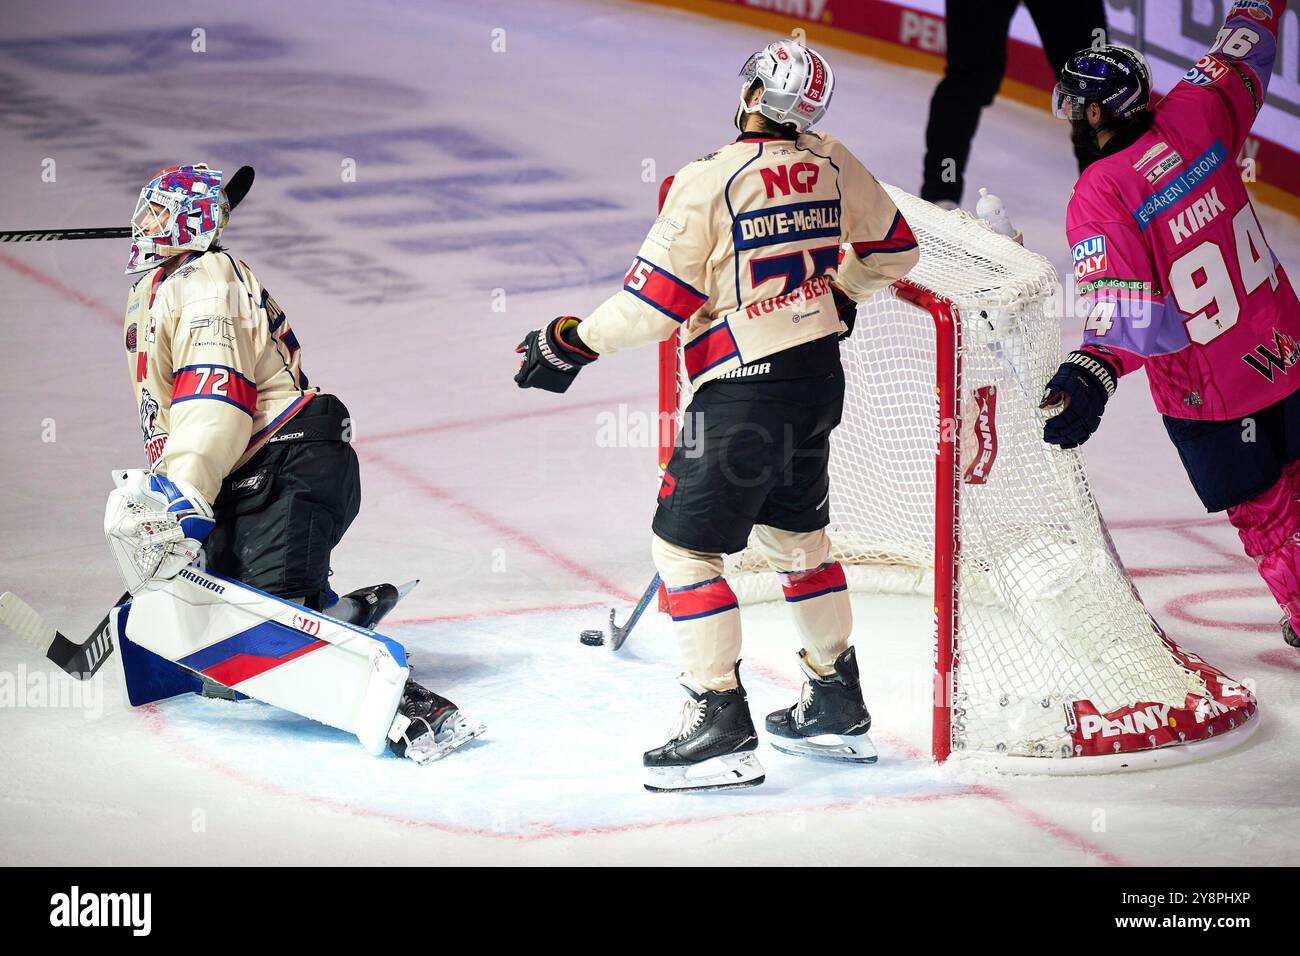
<point>855,749</point>
<point>456,731</point>
<point>720,773</point>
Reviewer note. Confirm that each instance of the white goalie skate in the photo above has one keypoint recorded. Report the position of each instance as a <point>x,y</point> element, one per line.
<point>428,726</point>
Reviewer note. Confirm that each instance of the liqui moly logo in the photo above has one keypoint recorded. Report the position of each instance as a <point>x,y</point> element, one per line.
<point>1089,257</point>
<point>1208,69</point>
<point>986,435</point>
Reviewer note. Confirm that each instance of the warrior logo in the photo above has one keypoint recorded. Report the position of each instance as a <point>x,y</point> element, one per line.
<point>1266,361</point>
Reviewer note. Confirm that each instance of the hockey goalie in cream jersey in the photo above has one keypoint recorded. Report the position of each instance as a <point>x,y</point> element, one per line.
<point>251,482</point>
<point>759,255</point>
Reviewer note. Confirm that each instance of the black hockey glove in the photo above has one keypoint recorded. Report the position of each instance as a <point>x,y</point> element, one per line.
<point>1080,389</point>
<point>553,356</point>
<point>848,310</point>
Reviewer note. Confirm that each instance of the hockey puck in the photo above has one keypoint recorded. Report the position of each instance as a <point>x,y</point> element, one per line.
<point>592,638</point>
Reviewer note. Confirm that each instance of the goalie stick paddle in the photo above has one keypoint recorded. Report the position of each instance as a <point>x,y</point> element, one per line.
<point>618,635</point>
<point>236,189</point>
<point>80,660</point>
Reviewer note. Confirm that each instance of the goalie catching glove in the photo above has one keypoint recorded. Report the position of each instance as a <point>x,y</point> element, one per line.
<point>155,526</point>
<point>1080,388</point>
<point>553,356</point>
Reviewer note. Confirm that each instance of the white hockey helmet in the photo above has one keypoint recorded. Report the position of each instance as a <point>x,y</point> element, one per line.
<point>797,84</point>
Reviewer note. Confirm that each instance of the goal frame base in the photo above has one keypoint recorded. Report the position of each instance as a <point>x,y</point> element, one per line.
<point>1157,758</point>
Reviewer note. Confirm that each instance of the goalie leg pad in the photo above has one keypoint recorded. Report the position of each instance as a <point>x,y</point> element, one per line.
<point>815,591</point>
<point>273,651</point>
<point>148,676</point>
<point>705,613</point>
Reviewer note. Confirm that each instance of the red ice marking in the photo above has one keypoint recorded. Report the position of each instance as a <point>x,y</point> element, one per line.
<point>1005,800</point>
<point>1286,658</point>
<point>509,417</point>
<point>534,830</point>
<point>499,612</point>
<point>1180,608</point>
<point>1049,827</point>
<point>511,533</point>
<point>50,282</point>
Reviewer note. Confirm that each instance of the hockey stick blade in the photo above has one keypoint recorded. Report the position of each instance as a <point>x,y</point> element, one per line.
<point>79,660</point>
<point>239,184</point>
<point>618,635</point>
<point>236,189</point>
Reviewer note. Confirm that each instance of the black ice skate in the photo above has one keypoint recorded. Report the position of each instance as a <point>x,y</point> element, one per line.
<point>830,719</point>
<point>1288,633</point>
<point>429,726</point>
<point>366,607</point>
<point>712,747</point>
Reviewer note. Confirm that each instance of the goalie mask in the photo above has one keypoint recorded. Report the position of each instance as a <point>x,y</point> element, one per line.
<point>797,85</point>
<point>181,209</point>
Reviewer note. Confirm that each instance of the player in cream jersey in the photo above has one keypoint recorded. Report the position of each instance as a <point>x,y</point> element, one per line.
<point>251,472</point>
<point>759,254</point>
<point>215,366</point>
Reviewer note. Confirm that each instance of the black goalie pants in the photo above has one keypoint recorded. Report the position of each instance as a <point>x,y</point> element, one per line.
<point>280,514</point>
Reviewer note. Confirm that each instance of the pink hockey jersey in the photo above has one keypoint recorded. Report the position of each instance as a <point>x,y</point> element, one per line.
<point>1177,273</point>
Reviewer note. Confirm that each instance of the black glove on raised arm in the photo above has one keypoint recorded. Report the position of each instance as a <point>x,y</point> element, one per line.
<point>1080,387</point>
<point>553,356</point>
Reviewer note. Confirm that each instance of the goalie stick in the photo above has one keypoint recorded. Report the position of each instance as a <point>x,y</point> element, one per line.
<point>236,189</point>
<point>80,660</point>
<point>83,660</point>
<point>619,635</point>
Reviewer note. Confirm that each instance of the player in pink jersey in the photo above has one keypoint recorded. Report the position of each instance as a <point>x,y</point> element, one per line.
<point>1179,278</point>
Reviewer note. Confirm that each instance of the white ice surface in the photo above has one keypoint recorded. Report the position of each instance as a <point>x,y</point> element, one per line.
<point>520,171</point>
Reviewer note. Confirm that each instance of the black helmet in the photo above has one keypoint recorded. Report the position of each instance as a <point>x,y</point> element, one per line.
<point>1116,77</point>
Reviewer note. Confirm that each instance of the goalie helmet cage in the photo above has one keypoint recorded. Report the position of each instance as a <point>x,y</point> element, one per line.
<point>1045,658</point>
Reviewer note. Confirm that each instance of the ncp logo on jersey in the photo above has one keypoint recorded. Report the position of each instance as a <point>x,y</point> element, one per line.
<point>800,178</point>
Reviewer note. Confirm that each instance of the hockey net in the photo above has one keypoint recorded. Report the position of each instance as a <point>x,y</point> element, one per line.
<point>1045,657</point>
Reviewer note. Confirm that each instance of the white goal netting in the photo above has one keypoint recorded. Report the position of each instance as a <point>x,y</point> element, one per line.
<point>1055,654</point>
